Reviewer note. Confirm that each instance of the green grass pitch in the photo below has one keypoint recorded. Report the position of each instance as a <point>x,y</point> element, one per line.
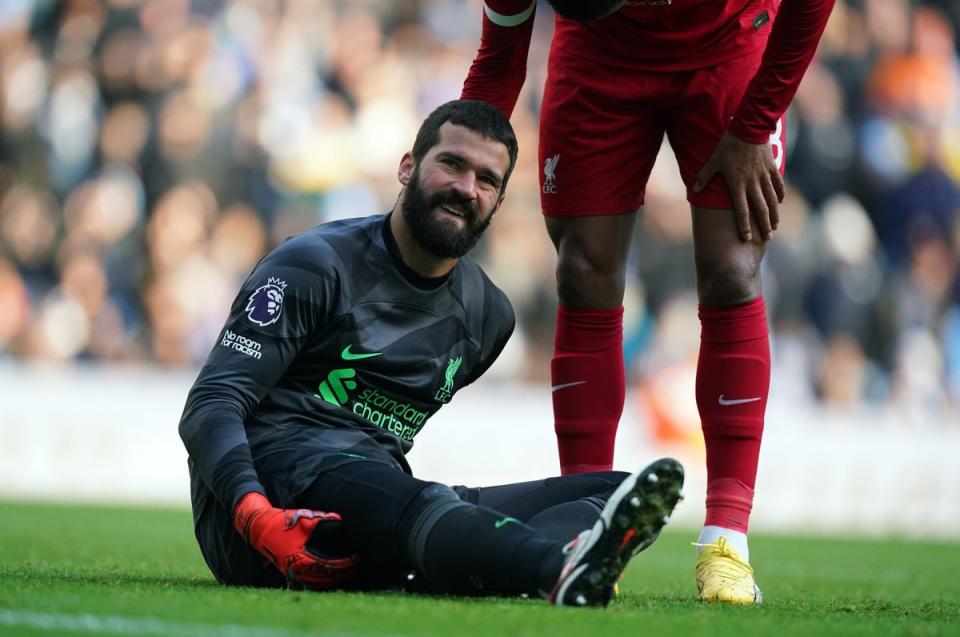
<point>124,571</point>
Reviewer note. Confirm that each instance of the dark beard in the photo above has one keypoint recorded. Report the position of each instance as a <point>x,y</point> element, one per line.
<point>441,238</point>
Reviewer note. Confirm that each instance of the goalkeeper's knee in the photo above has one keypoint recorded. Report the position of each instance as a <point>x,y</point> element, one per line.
<point>422,514</point>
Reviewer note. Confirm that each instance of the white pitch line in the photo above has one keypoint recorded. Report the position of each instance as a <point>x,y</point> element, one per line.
<point>115,625</point>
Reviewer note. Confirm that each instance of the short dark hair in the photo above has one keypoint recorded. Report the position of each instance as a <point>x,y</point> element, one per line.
<point>478,116</point>
<point>585,10</point>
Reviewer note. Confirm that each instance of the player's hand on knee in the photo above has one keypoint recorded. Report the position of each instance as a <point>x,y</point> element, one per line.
<point>756,186</point>
<point>283,535</point>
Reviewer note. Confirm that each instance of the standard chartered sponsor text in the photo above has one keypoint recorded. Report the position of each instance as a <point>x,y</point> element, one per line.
<point>242,344</point>
<point>398,418</point>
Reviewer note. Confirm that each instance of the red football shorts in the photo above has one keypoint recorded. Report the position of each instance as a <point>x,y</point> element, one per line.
<point>601,128</point>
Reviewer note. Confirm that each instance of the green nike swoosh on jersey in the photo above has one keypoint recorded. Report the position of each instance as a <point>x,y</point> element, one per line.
<point>348,356</point>
<point>503,521</point>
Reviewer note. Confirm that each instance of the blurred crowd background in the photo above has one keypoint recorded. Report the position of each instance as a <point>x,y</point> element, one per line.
<point>152,150</point>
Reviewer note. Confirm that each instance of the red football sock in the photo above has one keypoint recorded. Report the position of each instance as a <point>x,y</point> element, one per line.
<point>733,378</point>
<point>588,387</point>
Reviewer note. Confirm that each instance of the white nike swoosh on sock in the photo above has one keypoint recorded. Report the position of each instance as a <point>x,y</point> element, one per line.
<point>737,401</point>
<point>565,385</point>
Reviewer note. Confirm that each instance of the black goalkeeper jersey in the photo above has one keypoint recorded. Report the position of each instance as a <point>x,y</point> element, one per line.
<point>334,349</point>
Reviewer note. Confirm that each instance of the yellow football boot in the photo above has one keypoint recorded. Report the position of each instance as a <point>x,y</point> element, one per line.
<point>723,576</point>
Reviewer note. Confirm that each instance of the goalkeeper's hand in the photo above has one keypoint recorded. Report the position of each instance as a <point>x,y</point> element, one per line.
<point>282,535</point>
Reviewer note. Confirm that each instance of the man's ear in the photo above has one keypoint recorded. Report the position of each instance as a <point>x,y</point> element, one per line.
<point>496,208</point>
<point>406,168</point>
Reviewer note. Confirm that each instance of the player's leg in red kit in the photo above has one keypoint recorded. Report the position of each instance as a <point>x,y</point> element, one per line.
<point>733,378</point>
<point>587,370</point>
<point>733,370</point>
<point>733,373</point>
<point>596,158</point>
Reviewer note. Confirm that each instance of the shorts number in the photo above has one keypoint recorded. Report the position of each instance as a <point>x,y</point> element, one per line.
<point>776,144</point>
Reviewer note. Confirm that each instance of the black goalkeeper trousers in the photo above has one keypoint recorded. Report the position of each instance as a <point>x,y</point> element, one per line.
<point>378,502</point>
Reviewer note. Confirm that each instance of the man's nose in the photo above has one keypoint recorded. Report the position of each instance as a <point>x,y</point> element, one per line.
<point>466,184</point>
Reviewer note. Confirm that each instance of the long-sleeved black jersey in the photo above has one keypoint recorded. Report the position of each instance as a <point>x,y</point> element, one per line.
<point>334,348</point>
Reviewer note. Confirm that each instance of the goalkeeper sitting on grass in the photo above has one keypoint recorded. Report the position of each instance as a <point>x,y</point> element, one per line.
<point>340,346</point>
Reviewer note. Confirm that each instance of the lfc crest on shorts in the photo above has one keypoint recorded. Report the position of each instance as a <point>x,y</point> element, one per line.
<point>550,174</point>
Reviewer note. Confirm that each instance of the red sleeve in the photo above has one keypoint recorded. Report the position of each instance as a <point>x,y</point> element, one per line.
<point>497,73</point>
<point>793,41</point>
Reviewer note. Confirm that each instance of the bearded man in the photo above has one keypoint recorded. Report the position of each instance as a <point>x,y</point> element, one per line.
<point>340,346</point>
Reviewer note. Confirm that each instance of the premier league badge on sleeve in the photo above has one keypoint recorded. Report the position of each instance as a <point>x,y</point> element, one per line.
<point>266,302</point>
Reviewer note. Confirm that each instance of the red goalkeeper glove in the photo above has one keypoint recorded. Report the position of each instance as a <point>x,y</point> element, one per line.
<point>282,535</point>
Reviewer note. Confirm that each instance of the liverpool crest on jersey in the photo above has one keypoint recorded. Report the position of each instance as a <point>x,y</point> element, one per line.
<point>446,390</point>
